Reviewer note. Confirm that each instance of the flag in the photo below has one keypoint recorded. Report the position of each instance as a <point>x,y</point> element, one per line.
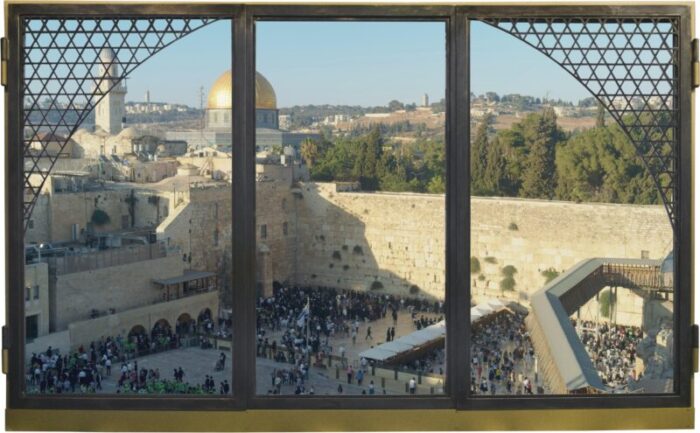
<point>301,320</point>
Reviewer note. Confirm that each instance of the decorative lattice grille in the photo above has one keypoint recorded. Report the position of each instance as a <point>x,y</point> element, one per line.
<point>69,65</point>
<point>630,65</point>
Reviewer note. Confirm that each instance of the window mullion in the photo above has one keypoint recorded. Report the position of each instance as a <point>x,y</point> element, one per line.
<point>457,197</point>
<point>243,206</point>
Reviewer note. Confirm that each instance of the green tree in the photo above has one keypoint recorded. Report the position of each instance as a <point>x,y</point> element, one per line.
<point>600,164</point>
<point>436,185</point>
<point>541,135</point>
<point>309,151</point>
<point>600,116</point>
<point>395,105</point>
<point>369,152</point>
<point>479,158</point>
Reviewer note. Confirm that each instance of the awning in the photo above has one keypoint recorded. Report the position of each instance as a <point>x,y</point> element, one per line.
<point>426,336</point>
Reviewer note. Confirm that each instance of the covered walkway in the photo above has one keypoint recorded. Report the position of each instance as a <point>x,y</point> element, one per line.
<point>562,356</point>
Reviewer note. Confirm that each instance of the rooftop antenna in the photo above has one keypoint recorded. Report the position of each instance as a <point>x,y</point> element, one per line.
<point>201,105</point>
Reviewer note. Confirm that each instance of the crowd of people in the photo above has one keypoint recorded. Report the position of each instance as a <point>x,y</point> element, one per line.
<point>294,314</point>
<point>502,355</point>
<point>613,350</point>
<point>432,362</point>
<point>84,369</point>
<point>331,312</point>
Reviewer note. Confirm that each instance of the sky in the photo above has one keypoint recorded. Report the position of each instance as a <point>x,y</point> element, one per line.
<point>353,63</point>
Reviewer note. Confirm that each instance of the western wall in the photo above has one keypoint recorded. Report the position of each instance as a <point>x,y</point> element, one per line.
<point>353,239</point>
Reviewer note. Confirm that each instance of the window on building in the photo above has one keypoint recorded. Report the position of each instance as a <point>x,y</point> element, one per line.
<point>335,252</point>
<point>532,155</point>
<point>125,279</point>
<point>428,184</point>
<point>32,327</point>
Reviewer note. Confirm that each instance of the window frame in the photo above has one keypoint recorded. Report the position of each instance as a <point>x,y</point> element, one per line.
<point>457,20</point>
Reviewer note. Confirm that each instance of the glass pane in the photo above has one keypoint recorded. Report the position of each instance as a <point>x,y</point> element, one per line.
<point>350,208</point>
<point>572,247</point>
<point>128,240</point>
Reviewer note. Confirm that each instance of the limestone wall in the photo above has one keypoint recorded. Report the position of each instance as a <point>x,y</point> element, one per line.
<point>56,213</point>
<point>355,240</point>
<point>119,287</point>
<point>210,226</point>
<point>276,226</point>
<point>39,230</point>
<point>401,239</point>
<point>536,235</point>
<point>175,229</point>
<point>632,309</point>
<point>36,281</point>
<point>146,316</point>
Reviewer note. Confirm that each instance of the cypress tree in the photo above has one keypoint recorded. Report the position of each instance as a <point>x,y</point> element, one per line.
<point>479,157</point>
<point>539,173</point>
<point>600,116</point>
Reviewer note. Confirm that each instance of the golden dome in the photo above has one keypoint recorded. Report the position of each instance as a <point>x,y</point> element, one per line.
<point>220,93</point>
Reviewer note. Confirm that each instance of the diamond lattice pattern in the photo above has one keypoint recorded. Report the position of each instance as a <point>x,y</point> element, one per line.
<point>69,64</point>
<point>630,65</point>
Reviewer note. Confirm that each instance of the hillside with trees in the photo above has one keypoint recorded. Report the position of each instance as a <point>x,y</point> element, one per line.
<point>534,158</point>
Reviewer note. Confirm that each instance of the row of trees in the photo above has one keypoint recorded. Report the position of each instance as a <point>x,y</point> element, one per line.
<point>534,158</point>
<point>377,165</point>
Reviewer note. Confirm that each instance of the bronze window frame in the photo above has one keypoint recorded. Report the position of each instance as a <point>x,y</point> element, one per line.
<point>457,20</point>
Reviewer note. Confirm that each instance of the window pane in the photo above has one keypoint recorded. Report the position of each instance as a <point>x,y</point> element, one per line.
<point>350,208</point>
<point>128,242</point>
<point>572,248</point>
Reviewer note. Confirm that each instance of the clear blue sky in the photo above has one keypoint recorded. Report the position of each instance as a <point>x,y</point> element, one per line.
<point>355,63</point>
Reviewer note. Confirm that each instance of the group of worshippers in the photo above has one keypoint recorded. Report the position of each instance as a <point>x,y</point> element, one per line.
<point>320,313</point>
<point>432,362</point>
<point>209,386</point>
<point>330,312</point>
<point>613,350</point>
<point>502,355</point>
<point>84,369</point>
<point>423,321</point>
<point>79,371</point>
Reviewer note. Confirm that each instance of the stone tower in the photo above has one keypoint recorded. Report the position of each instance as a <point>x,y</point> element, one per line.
<point>109,112</point>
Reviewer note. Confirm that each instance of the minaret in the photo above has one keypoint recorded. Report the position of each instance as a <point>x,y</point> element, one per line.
<point>109,112</point>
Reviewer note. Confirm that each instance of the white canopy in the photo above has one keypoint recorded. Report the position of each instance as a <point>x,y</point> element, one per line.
<point>417,339</point>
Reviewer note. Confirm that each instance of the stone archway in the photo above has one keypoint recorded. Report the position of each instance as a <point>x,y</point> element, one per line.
<point>136,330</point>
<point>161,328</point>
<point>185,324</point>
<point>205,321</point>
